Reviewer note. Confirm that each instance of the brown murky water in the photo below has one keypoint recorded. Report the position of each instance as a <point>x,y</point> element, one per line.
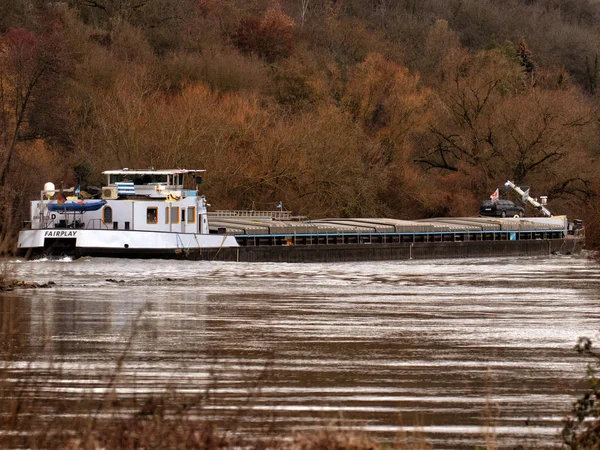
<point>382,347</point>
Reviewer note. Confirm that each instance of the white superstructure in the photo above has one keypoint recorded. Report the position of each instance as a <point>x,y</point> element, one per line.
<point>142,210</point>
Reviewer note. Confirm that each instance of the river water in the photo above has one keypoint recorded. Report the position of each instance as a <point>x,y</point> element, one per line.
<point>440,347</point>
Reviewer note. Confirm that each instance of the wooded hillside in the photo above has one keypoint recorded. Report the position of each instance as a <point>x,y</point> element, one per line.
<point>404,109</point>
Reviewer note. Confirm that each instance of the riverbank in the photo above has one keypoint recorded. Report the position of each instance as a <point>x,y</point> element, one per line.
<point>10,285</point>
<point>8,282</point>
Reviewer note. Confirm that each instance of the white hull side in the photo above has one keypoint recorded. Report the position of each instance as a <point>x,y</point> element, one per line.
<point>119,239</point>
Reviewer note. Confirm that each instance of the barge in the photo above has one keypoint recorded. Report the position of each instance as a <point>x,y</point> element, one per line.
<point>149,214</point>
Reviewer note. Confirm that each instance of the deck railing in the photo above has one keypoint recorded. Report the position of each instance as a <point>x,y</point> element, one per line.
<point>277,215</point>
<point>51,224</point>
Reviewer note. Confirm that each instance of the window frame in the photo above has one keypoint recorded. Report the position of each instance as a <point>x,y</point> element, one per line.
<point>175,213</point>
<point>191,218</point>
<point>104,209</point>
<point>155,209</point>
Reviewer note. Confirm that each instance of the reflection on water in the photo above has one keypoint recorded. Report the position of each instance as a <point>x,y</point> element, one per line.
<point>379,346</point>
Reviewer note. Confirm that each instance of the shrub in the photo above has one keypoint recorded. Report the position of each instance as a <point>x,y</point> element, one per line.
<point>270,36</point>
<point>582,429</point>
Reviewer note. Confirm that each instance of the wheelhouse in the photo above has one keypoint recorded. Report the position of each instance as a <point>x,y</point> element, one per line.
<point>151,183</point>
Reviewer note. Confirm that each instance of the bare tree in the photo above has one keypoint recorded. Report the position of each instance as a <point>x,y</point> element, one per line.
<point>29,67</point>
<point>111,8</point>
<point>487,127</point>
<point>304,4</point>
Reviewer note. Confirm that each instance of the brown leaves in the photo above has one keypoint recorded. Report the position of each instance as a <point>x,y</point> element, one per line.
<point>369,108</point>
<point>32,76</point>
<point>385,97</point>
<point>269,36</point>
<point>19,43</point>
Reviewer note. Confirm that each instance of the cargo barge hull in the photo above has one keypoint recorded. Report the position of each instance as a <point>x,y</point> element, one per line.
<point>334,252</point>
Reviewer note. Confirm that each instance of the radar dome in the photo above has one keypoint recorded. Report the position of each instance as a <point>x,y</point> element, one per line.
<point>49,189</point>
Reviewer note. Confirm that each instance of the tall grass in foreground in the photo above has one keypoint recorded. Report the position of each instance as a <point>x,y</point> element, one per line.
<point>166,421</point>
<point>169,420</point>
<point>31,418</point>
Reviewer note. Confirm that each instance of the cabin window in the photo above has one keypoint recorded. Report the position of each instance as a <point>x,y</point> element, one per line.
<point>191,214</point>
<point>107,215</point>
<point>138,178</point>
<point>174,214</point>
<point>152,215</point>
<point>167,215</point>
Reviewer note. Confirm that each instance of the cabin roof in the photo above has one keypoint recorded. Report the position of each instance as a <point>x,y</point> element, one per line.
<point>151,172</point>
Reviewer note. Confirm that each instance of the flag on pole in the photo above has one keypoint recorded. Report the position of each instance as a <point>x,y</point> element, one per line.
<point>525,196</point>
<point>61,199</point>
<point>494,196</point>
<point>77,191</point>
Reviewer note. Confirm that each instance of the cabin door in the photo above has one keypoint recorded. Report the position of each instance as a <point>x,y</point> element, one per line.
<point>177,218</point>
<point>202,226</point>
<point>190,220</point>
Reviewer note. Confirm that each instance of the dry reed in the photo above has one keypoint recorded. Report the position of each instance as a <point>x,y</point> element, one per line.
<point>166,420</point>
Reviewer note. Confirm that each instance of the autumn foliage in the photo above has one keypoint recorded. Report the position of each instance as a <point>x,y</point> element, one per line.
<point>269,36</point>
<point>400,109</point>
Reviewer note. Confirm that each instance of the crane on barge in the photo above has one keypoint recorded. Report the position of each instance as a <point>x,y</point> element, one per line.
<point>540,206</point>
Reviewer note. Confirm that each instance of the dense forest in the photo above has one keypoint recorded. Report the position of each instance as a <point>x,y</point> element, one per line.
<point>396,108</point>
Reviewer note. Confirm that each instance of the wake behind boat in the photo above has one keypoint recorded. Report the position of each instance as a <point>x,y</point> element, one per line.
<point>149,214</point>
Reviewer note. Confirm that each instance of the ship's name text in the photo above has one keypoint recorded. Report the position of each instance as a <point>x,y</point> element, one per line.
<point>60,233</point>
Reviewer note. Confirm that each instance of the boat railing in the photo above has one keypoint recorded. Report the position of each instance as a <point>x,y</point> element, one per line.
<point>276,215</point>
<point>92,224</point>
<point>96,224</point>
